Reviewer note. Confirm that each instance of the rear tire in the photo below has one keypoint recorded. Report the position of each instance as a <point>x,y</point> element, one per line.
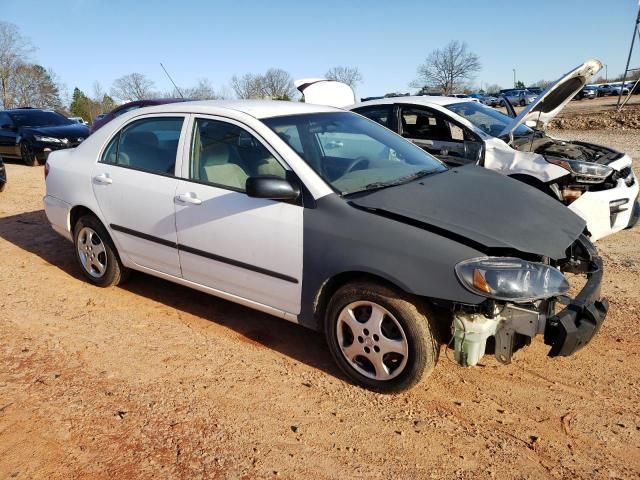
<point>96,253</point>
<point>28,155</point>
<point>379,337</point>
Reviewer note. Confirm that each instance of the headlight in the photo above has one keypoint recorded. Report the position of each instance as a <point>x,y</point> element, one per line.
<point>50,139</point>
<point>585,172</point>
<point>511,279</point>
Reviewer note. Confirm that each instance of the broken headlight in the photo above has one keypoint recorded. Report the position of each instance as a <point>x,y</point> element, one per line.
<point>511,279</point>
<point>585,172</point>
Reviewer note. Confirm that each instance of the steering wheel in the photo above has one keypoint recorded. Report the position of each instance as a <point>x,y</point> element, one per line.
<point>356,161</point>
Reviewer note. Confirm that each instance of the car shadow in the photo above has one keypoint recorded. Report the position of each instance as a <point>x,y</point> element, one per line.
<point>14,161</point>
<point>31,232</point>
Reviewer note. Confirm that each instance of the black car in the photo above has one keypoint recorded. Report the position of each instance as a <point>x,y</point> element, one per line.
<point>3,175</point>
<point>31,134</point>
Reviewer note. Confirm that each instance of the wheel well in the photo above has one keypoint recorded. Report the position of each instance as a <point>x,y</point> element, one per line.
<point>439,313</point>
<point>75,214</point>
<point>332,285</point>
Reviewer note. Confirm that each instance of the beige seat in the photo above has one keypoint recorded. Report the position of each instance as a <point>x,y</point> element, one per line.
<point>215,167</point>
<point>270,166</point>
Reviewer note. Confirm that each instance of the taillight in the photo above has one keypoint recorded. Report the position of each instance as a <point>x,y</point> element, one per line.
<point>46,170</point>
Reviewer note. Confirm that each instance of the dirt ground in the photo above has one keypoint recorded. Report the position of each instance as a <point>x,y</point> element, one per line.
<point>153,380</point>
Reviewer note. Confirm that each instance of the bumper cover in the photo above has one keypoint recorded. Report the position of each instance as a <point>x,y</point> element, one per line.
<point>574,326</point>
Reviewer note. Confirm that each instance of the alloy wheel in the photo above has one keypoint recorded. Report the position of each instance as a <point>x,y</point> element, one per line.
<point>92,252</point>
<point>372,340</point>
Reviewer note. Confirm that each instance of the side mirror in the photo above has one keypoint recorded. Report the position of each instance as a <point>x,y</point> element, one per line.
<point>272,188</point>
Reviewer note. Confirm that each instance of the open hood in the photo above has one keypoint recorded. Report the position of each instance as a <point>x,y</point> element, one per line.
<point>320,91</point>
<point>550,102</point>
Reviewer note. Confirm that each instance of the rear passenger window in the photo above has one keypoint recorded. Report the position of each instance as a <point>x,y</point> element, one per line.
<point>380,114</point>
<point>150,145</point>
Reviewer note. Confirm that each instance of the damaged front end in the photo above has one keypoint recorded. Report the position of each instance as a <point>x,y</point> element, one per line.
<point>599,185</point>
<point>523,303</point>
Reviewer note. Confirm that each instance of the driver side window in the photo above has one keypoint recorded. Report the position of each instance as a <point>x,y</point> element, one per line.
<point>424,125</point>
<point>436,134</point>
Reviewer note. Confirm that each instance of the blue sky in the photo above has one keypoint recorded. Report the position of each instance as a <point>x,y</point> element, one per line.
<point>88,40</point>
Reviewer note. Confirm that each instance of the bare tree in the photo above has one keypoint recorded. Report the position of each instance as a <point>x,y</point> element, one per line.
<point>542,84</point>
<point>248,85</point>
<point>33,86</point>
<point>202,91</point>
<point>225,93</point>
<point>349,75</point>
<point>277,84</point>
<point>14,52</point>
<point>448,68</point>
<point>493,88</point>
<point>134,86</point>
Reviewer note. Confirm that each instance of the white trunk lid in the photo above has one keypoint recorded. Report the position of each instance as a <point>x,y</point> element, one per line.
<point>320,91</point>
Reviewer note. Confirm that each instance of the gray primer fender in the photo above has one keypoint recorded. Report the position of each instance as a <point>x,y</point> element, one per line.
<point>340,238</point>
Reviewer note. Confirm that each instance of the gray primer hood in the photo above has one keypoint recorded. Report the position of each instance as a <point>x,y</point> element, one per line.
<point>484,207</point>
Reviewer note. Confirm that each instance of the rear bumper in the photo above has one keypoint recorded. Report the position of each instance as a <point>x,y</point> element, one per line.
<point>57,212</point>
<point>574,326</point>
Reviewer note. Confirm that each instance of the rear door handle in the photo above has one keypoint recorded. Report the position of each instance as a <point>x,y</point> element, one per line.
<point>103,179</point>
<point>189,198</point>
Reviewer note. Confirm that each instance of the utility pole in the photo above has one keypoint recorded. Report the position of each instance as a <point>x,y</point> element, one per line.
<point>514,78</point>
<point>636,30</point>
<point>606,72</point>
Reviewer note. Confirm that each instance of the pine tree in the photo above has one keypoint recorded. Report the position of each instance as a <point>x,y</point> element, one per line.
<point>79,104</point>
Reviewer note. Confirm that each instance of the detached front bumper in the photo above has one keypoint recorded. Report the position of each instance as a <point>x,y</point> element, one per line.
<point>573,327</point>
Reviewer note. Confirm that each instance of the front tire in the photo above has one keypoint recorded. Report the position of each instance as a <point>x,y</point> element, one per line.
<point>96,253</point>
<point>28,155</point>
<point>379,337</point>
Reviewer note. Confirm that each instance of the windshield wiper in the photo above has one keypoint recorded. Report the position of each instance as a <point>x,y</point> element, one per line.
<point>397,181</point>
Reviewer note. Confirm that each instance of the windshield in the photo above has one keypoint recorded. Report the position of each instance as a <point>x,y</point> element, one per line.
<point>487,119</point>
<point>38,118</point>
<point>352,153</point>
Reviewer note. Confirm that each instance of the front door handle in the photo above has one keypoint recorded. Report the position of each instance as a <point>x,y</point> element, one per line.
<point>189,198</point>
<point>103,179</point>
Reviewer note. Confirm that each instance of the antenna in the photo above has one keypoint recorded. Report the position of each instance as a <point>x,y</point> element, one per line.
<point>174,83</point>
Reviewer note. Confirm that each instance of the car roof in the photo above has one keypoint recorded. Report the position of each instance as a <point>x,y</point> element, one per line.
<point>415,100</point>
<point>255,108</point>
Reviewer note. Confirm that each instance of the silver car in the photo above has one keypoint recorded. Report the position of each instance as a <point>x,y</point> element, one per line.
<point>521,97</point>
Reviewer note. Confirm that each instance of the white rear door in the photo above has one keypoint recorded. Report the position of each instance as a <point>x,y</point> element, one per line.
<point>247,247</point>
<point>134,185</point>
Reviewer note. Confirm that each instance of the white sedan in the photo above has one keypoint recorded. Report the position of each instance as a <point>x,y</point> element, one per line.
<point>324,218</point>
<point>595,181</point>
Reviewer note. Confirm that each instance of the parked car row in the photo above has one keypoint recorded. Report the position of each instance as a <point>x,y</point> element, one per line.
<point>612,89</point>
